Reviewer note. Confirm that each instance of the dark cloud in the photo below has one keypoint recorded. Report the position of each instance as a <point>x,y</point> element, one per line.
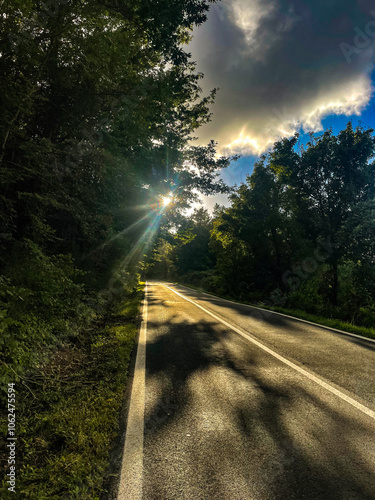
<point>282,65</point>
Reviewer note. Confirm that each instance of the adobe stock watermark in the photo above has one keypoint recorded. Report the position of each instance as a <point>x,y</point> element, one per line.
<point>11,438</point>
<point>362,40</point>
<point>294,278</point>
<point>299,273</point>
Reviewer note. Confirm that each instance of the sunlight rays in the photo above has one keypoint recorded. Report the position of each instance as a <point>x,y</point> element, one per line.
<point>166,200</point>
<point>146,238</point>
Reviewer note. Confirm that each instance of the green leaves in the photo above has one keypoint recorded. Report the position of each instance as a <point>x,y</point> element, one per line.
<point>99,101</point>
<point>301,228</point>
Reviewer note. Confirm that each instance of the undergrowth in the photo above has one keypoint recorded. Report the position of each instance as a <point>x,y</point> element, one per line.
<point>68,411</point>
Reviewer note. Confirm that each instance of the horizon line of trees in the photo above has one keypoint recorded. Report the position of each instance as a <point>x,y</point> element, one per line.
<point>300,232</point>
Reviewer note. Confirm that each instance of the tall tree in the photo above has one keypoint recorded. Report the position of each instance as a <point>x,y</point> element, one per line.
<point>331,178</point>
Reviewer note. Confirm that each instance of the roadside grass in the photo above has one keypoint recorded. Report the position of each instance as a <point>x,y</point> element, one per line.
<point>68,411</point>
<point>297,313</point>
<point>321,320</point>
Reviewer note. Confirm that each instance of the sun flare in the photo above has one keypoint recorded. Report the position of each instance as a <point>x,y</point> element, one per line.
<point>166,200</point>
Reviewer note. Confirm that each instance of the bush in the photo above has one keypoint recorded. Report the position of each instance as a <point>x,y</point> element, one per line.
<point>37,306</point>
<point>366,317</point>
<point>206,280</point>
<point>307,297</point>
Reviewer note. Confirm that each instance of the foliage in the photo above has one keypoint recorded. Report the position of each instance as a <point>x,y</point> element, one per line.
<point>298,234</point>
<point>99,102</point>
<point>68,409</point>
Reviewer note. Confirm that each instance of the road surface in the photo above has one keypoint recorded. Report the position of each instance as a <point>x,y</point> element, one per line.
<point>232,403</point>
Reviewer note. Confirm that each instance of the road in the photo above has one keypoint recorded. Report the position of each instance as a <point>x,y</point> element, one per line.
<point>239,404</point>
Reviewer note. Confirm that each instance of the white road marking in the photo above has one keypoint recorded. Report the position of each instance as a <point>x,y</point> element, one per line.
<point>307,374</point>
<point>131,477</point>
<point>269,311</point>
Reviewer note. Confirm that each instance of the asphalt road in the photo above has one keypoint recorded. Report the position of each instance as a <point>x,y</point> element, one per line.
<point>277,409</point>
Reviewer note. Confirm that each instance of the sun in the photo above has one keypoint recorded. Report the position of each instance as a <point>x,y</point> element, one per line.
<point>166,200</point>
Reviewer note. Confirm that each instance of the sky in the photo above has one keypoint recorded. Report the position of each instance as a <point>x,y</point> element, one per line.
<point>284,66</point>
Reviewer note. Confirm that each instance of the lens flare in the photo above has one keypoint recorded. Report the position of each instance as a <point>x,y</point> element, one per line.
<point>166,200</point>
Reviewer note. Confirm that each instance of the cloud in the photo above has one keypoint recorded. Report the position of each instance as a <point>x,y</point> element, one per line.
<point>283,66</point>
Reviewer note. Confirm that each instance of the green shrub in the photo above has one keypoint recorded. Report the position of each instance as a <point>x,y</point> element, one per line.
<point>68,409</point>
<point>37,307</point>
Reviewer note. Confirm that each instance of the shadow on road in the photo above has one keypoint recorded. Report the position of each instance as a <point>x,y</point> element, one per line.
<point>284,442</point>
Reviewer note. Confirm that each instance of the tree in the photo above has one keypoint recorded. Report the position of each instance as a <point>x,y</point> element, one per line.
<point>331,178</point>
<point>193,253</point>
<point>99,102</point>
<point>302,227</point>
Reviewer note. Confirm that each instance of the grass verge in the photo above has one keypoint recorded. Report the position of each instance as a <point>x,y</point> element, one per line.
<point>330,322</point>
<point>68,412</point>
<point>296,313</point>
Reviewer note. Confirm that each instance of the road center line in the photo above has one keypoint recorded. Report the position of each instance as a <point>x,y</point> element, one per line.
<point>307,374</point>
<point>131,476</point>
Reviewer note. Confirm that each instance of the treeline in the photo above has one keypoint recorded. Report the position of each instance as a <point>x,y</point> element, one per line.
<point>98,101</point>
<point>299,234</point>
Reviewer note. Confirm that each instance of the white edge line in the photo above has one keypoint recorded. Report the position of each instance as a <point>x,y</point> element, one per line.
<point>285,315</point>
<point>131,476</point>
<point>307,374</point>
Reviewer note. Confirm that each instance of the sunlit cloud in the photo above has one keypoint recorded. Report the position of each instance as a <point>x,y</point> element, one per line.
<point>350,100</point>
<point>280,68</point>
<point>248,17</point>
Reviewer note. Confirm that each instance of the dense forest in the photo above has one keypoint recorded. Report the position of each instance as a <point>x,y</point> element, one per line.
<point>299,233</point>
<point>98,103</point>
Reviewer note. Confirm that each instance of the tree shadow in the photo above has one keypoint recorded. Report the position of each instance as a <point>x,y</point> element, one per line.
<point>299,454</point>
<point>271,318</point>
